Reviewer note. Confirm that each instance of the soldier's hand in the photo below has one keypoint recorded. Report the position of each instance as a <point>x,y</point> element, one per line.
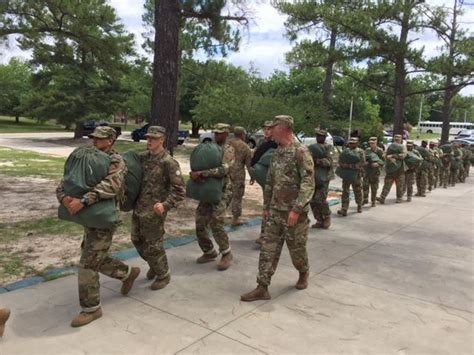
<point>252,181</point>
<point>375,165</point>
<point>159,208</point>
<point>75,206</point>
<point>195,176</point>
<point>265,215</point>
<point>66,201</point>
<point>293,218</point>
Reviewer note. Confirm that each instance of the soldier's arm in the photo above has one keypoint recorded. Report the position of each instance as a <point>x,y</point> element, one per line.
<point>110,186</point>
<point>306,172</point>
<point>177,192</point>
<point>327,161</point>
<point>223,170</point>
<point>60,194</point>
<point>248,158</point>
<point>268,191</point>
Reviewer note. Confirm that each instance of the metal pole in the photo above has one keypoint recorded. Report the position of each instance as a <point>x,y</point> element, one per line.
<point>419,117</point>
<point>465,113</point>
<point>350,112</point>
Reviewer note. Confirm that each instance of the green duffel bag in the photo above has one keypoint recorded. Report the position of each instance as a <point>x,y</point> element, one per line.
<point>395,148</point>
<point>446,148</point>
<point>347,174</point>
<point>321,174</point>
<point>260,170</point>
<point>371,158</point>
<point>413,161</point>
<point>85,168</point>
<point>318,151</point>
<point>209,190</point>
<point>348,156</point>
<point>206,156</point>
<point>393,166</point>
<point>133,180</point>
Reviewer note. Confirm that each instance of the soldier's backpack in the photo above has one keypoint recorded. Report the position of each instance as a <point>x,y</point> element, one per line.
<point>204,157</point>
<point>426,155</point>
<point>371,158</point>
<point>348,156</point>
<point>321,174</point>
<point>133,180</point>
<point>260,170</point>
<point>394,166</point>
<point>413,160</point>
<point>84,169</point>
<point>456,159</point>
<point>446,148</point>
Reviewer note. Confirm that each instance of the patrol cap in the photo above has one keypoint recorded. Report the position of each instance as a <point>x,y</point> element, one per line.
<point>240,130</point>
<point>103,132</point>
<point>424,141</point>
<point>353,140</point>
<point>432,143</point>
<point>155,131</point>
<point>267,124</point>
<point>283,120</point>
<point>373,139</point>
<point>321,132</point>
<point>410,143</point>
<point>397,136</point>
<point>221,128</point>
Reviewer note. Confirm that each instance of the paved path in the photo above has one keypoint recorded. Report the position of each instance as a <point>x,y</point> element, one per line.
<point>397,279</point>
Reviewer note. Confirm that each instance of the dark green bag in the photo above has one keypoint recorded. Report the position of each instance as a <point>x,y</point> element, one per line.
<point>372,157</point>
<point>321,174</point>
<point>84,168</point>
<point>204,157</point>
<point>446,148</point>
<point>260,170</point>
<point>456,160</point>
<point>393,166</point>
<point>413,161</point>
<point>318,151</point>
<point>133,180</point>
<point>348,156</point>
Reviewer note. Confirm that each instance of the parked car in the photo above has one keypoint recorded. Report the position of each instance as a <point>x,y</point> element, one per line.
<point>139,133</point>
<point>88,127</point>
<point>465,134</point>
<point>308,140</point>
<point>209,137</point>
<point>339,141</point>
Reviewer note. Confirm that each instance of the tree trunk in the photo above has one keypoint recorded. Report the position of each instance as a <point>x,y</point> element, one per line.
<point>327,85</point>
<point>165,69</point>
<point>17,119</point>
<point>195,127</point>
<point>78,130</point>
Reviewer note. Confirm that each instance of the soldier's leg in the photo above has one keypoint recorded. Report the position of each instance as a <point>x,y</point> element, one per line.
<point>430,179</point>
<point>153,232</point>
<point>462,177</point>
<point>216,222</point>
<point>345,195</point>
<point>366,188</point>
<point>409,184</point>
<point>136,237</point>
<point>357,188</point>
<point>296,238</point>
<point>435,177</point>
<point>203,216</point>
<point>271,249</point>
<point>374,186</point>
<point>324,205</point>
<point>388,181</point>
<point>400,184</point>
<point>238,190</point>
<point>423,182</point>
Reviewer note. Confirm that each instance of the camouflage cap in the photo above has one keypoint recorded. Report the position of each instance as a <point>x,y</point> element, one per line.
<point>240,130</point>
<point>431,143</point>
<point>373,139</point>
<point>397,136</point>
<point>410,143</point>
<point>284,120</point>
<point>353,140</point>
<point>424,141</point>
<point>267,124</point>
<point>155,131</point>
<point>321,132</point>
<point>103,132</point>
<point>221,128</point>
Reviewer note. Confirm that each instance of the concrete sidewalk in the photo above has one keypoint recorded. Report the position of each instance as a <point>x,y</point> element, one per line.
<point>396,279</point>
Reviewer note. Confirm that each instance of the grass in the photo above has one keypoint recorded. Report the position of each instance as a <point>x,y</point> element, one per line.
<point>27,125</point>
<point>25,163</point>
<point>426,136</point>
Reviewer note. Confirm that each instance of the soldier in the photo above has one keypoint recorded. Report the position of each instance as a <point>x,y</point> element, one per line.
<point>433,184</point>
<point>410,174</point>
<point>319,204</point>
<point>372,172</point>
<point>288,191</point>
<point>243,156</point>
<point>4,315</point>
<point>466,157</point>
<point>397,176</point>
<point>95,246</point>
<point>423,173</point>
<point>356,185</point>
<point>212,215</point>
<point>268,143</point>
<point>162,189</point>
<point>445,169</point>
<point>456,162</point>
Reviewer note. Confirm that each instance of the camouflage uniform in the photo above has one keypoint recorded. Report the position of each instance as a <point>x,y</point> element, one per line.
<point>356,185</point>
<point>467,155</point>
<point>410,176</point>
<point>212,215</point>
<point>289,187</point>
<point>456,161</point>
<point>162,182</point>
<point>397,176</point>
<point>433,171</point>
<point>96,242</point>
<point>436,165</point>
<point>445,169</point>
<point>372,176</point>
<point>243,156</point>
<point>423,173</point>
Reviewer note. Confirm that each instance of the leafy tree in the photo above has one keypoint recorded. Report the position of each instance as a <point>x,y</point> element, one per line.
<point>15,81</point>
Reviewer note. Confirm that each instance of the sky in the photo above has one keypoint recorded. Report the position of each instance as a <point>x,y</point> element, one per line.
<point>264,42</point>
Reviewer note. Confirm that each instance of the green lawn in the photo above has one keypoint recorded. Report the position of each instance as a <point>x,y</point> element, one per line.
<point>27,125</point>
<point>425,136</point>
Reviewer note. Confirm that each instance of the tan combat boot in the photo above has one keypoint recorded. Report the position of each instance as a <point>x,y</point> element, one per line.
<point>84,318</point>
<point>205,258</point>
<point>318,224</point>
<point>381,200</point>
<point>302,282</point>
<point>260,293</point>
<point>398,200</point>
<point>359,209</point>
<point>327,222</point>
<point>4,315</point>
<point>150,275</point>
<point>342,213</point>
<point>127,284</point>
<point>159,284</point>
<point>225,262</point>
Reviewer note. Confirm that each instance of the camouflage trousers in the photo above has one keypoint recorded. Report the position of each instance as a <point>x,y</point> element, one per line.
<point>467,167</point>
<point>410,177</point>
<point>453,176</point>
<point>238,190</point>
<point>371,182</point>
<point>319,203</point>
<point>95,258</point>
<point>277,233</point>
<point>356,187</point>
<point>433,178</point>
<point>148,237</point>
<point>445,170</point>
<point>211,216</point>
<point>421,181</point>
<point>461,174</point>
<point>399,179</point>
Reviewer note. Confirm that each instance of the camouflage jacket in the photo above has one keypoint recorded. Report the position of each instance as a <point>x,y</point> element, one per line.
<point>111,186</point>
<point>360,165</point>
<point>162,182</point>
<point>243,157</point>
<point>326,162</point>
<point>290,179</point>
<point>466,155</point>
<point>222,171</point>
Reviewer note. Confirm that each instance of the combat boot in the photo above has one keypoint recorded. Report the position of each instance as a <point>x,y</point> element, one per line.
<point>327,222</point>
<point>159,284</point>
<point>365,202</point>
<point>84,318</point>
<point>373,204</point>
<point>317,225</point>
<point>359,209</point>
<point>237,222</point>
<point>260,293</point>
<point>409,199</point>
<point>342,213</point>
<point>225,262</point>
<point>127,284</point>
<point>302,282</point>
<point>398,200</point>
<point>150,275</point>
<point>4,315</point>
<point>205,258</point>
<point>381,200</point>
